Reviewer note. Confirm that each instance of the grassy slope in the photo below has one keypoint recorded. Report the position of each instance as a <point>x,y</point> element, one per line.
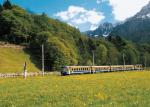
<point>12,60</point>
<point>125,89</point>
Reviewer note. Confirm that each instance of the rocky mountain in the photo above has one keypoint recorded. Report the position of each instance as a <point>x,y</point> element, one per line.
<point>103,30</point>
<point>136,28</point>
<point>144,13</point>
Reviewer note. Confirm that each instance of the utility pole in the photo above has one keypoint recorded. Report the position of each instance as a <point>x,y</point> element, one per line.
<point>145,62</point>
<point>93,58</point>
<point>124,63</point>
<point>42,59</point>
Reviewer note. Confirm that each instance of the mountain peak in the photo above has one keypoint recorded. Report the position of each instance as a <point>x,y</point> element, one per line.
<point>136,28</point>
<point>103,30</point>
<point>144,13</point>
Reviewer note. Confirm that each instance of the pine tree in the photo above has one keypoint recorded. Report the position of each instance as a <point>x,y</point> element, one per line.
<point>44,14</point>
<point>7,4</point>
<point>1,8</point>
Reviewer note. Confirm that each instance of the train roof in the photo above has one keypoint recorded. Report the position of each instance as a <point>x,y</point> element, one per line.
<point>100,66</point>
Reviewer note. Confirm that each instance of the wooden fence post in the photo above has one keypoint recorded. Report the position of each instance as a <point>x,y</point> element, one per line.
<point>25,70</point>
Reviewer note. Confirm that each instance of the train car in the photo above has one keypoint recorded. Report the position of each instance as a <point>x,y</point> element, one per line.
<point>68,70</point>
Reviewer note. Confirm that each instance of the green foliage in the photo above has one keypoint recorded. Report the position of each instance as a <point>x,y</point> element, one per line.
<point>113,56</point>
<point>1,8</point>
<point>61,53</point>
<point>92,44</point>
<point>130,56</point>
<point>117,41</point>
<point>146,59</point>
<point>101,54</point>
<point>42,37</point>
<point>145,54</point>
<point>14,27</point>
<point>58,52</point>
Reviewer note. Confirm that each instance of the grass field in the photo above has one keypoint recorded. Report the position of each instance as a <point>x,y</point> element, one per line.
<point>124,89</point>
<point>12,60</point>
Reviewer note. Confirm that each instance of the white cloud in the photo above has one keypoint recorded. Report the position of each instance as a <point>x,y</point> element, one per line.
<point>100,1</point>
<point>76,16</point>
<point>93,27</point>
<point>123,9</point>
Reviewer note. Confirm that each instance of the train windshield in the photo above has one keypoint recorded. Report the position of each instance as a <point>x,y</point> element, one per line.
<point>65,69</point>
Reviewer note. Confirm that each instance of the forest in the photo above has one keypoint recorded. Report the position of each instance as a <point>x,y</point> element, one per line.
<point>64,44</point>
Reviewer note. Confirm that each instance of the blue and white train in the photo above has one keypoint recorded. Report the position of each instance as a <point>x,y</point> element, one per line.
<point>68,70</point>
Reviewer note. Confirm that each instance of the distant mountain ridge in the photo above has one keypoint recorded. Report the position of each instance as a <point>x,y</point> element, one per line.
<point>103,30</point>
<point>144,13</point>
<point>136,28</point>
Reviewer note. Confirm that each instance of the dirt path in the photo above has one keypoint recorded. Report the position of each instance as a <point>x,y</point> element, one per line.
<point>7,45</point>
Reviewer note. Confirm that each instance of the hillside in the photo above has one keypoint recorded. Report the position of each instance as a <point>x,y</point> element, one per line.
<point>12,59</point>
<point>18,26</point>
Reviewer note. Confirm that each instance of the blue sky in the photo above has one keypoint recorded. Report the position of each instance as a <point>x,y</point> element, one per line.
<point>84,14</point>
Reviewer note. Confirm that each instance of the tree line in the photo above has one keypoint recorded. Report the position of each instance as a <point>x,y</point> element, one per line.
<point>63,44</point>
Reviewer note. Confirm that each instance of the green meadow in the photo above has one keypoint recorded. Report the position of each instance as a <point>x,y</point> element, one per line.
<point>117,89</point>
<point>12,60</point>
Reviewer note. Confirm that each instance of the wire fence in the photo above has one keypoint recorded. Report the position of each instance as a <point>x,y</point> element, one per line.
<point>28,74</point>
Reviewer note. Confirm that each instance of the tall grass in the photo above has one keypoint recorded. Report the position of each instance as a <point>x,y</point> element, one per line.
<point>125,89</point>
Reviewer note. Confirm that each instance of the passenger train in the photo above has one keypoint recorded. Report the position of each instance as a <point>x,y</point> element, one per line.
<point>68,70</point>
